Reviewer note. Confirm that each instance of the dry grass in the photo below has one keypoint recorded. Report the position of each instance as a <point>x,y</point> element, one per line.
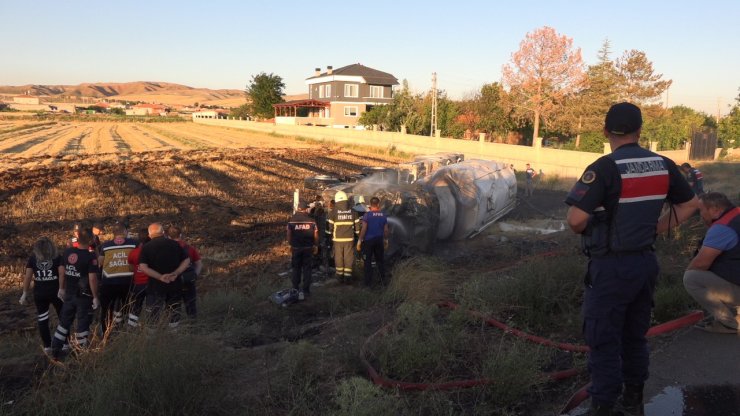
<point>421,279</point>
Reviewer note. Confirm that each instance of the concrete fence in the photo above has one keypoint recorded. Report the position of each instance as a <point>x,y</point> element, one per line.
<point>564,163</point>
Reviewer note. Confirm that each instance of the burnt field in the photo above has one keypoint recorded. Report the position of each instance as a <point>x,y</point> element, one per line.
<point>233,204</point>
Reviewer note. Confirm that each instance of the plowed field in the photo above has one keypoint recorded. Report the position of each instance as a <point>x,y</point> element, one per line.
<point>231,189</point>
<point>26,143</point>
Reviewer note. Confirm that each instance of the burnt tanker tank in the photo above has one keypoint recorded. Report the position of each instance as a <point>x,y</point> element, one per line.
<point>435,197</point>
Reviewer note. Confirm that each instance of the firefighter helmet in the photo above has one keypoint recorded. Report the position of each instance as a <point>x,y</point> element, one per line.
<point>340,196</point>
<point>361,199</point>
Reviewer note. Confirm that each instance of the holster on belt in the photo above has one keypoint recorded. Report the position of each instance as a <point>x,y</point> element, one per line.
<point>595,237</point>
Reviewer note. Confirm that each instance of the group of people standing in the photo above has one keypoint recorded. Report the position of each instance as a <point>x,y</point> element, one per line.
<point>119,277</point>
<point>346,229</point>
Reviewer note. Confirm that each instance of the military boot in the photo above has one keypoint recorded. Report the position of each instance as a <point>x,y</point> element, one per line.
<point>631,402</point>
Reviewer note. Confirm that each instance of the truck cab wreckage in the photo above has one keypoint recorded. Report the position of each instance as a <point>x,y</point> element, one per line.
<point>435,197</point>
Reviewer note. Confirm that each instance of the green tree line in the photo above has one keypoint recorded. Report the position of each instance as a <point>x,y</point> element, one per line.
<point>546,91</point>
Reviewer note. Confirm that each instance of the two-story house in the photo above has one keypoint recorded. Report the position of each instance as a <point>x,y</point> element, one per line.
<point>338,97</point>
<point>350,91</point>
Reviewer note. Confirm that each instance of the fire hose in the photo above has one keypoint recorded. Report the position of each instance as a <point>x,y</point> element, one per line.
<point>575,400</point>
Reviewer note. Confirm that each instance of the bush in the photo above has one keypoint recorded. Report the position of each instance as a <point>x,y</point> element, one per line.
<point>420,279</point>
<point>296,383</point>
<point>542,295</point>
<point>166,374</point>
<point>416,346</point>
<point>516,368</point>
<point>359,397</point>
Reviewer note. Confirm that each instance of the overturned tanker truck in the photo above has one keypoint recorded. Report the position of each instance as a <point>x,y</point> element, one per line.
<point>435,197</point>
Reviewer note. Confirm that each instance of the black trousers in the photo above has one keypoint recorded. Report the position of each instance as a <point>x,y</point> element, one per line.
<point>300,261</point>
<point>113,302</point>
<point>77,306</point>
<point>167,297</point>
<point>42,299</point>
<point>373,249</point>
<point>188,297</point>
<point>138,296</point>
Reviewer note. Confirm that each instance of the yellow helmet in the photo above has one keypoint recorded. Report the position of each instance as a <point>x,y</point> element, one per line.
<point>340,196</point>
<point>361,199</point>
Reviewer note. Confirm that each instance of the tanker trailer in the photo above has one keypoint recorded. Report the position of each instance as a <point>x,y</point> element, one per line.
<point>471,195</point>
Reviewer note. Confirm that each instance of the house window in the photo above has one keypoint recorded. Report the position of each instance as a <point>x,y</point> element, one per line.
<point>327,93</point>
<point>351,90</point>
<point>350,111</point>
<point>321,91</point>
<point>376,91</point>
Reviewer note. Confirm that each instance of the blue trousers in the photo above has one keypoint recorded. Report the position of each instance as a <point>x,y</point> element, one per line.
<point>616,316</point>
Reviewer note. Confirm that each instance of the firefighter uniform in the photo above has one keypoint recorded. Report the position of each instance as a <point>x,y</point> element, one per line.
<point>624,191</point>
<point>302,230</point>
<point>340,227</point>
<point>78,299</point>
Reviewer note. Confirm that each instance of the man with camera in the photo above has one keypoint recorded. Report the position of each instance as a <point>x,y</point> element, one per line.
<point>713,276</point>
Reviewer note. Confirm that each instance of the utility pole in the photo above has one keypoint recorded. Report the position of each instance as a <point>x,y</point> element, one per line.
<point>718,112</point>
<point>666,97</point>
<point>433,128</point>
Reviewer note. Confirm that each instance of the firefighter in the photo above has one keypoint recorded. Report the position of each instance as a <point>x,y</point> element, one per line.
<point>358,210</point>
<point>43,269</point>
<point>78,288</point>
<point>616,207</point>
<point>340,226</point>
<point>303,237</point>
<point>116,278</point>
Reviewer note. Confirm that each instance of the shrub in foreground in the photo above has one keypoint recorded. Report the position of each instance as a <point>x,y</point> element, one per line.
<point>138,374</point>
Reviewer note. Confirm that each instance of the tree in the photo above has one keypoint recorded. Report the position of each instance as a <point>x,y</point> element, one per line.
<point>729,128</point>
<point>671,128</point>
<point>263,91</point>
<point>544,72</point>
<point>639,83</point>
<point>241,112</point>
<point>602,92</point>
<point>493,109</point>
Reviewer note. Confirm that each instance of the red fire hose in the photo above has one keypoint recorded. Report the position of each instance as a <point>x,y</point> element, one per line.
<point>450,385</point>
<point>577,398</point>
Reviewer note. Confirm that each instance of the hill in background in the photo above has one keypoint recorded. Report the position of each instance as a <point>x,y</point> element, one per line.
<point>158,92</point>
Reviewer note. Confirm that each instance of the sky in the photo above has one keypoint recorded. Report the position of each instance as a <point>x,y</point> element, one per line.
<point>222,44</point>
